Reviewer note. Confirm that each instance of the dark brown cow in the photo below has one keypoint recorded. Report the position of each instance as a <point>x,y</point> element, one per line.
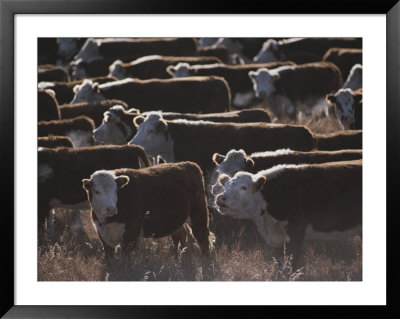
<point>49,73</point>
<point>220,52</point>
<point>94,110</point>
<point>61,170</point>
<point>154,66</point>
<point>65,90</point>
<point>55,141</point>
<point>153,202</point>
<point>187,95</point>
<point>344,58</point>
<point>48,109</point>
<point>316,200</point>
<point>197,141</point>
<point>341,140</point>
<point>79,129</point>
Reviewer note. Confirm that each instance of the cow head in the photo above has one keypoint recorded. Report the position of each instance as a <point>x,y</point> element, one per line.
<point>344,102</point>
<point>233,46</point>
<point>116,69</point>
<point>180,70</point>
<point>269,52</point>
<point>102,191</point>
<point>263,82</point>
<point>89,51</point>
<point>78,69</point>
<point>152,135</point>
<point>205,42</point>
<point>233,162</point>
<point>113,130</point>
<point>241,197</point>
<point>87,92</point>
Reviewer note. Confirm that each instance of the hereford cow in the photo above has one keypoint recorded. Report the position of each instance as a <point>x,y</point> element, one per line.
<point>94,110</point>
<point>288,89</point>
<point>344,58</point>
<point>354,80</point>
<point>118,126</point>
<point>188,95</point>
<point>55,141</point>
<point>237,76</point>
<point>98,49</point>
<point>340,140</point>
<point>65,90</point>
<point>48,109</point>
<point>302,50</point>
<point>197,141</point>
<point>235,161</point>
<point>348,108</point>
<point>154,66</point>
<point>79,129</point>
<point>49,72</point>
<point>152,202</point>
<point>61,170</point>
<point>309,199</point>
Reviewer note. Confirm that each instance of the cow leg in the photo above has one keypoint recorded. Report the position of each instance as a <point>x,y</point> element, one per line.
<point>296,233</point>
<point>179,238</point>
<point>199,224</point>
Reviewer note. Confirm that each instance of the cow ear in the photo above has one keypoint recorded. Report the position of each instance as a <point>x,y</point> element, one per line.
<point>86,184</point>
<point>249,164</point>
<point>331,98</point>
<point>218,158</point>
<point>76,88</point>
<point>138,120</point>
<point>170,70</point>
<point>122,181</point>
<point>95,87</point>
<point>222,179</point>
<point>252,74</point>
<point>259,183</point>
<point>161,126</point>
<point>357,98</point>
<point>160,160</point>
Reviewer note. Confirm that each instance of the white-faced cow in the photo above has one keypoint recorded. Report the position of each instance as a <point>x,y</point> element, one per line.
<point>354,80</point>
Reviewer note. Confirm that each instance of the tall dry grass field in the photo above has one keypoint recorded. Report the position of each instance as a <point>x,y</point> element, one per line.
<point>69,250</point>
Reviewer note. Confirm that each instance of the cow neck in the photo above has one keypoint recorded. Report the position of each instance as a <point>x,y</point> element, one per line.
<point>169,156</point>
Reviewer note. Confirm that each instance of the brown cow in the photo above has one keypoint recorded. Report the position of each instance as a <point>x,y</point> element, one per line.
<point>49,72</point>
<point>55,141</point>
<point>48,109</point>
<point>344,58</point>
<point>341,140</point>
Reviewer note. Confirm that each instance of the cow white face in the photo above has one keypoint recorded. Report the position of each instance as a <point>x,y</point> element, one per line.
<point>89,51</point>
<point>152,135</point>
<point>102,189</point>
<point>87,92</point>
<point>344,106</point>
<point>180,70</point>
<point>263,82</point>
<point>354,79</point>
<point>241,197</point>
<point>67,47</point>
<point>268,53</point>
<point>117,70</point>
<point>112,130</point>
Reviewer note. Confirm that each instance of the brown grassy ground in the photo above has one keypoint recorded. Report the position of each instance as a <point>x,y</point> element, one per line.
<point>75,253</point>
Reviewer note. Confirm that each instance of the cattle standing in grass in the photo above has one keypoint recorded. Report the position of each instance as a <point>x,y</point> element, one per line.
<point>61,170</point>
<point>323,199</point>
<point>302,50</point>
<point>152,202</point>
<point>55,141</point>
<point>49,72</point>
<point>48,109</point>
<point>344,58</point>
<point>188,95</point>
<point>288,89</point>
<point>94,110</point>
<point>154,66</point>
<point>197,141</point>
<point>235,161</point>
<point>65,90</point>
<point>340,140</point>
<point>79,129</point>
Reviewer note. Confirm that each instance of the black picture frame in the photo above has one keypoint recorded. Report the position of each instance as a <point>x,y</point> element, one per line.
<point>8,9</point>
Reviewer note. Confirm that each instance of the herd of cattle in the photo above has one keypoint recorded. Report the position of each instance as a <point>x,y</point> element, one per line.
<point>154,134</point>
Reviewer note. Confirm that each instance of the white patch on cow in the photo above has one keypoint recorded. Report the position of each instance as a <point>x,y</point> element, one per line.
<point>233,46</point>
<point>194,122</point>
<point>283,151</point>
<point>354,79</point>
<point>153,140</point>
<point>181,70</point>
<point>87,92</point>
<point>89,51</point>
<point>44,172</point>
<point>276,170</point>
<point>111,233</point>
<point>116,69</point>
<point>67,47</point>
<point>268,52</point>
<point>242,100</point>
<point>108,85</point>
<point>45,85</point>
<point>345,107</point>
<point>80,138</point>
<point>333,235</point>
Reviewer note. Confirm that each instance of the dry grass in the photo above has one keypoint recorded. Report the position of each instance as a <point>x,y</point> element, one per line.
<point>75,253</point>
